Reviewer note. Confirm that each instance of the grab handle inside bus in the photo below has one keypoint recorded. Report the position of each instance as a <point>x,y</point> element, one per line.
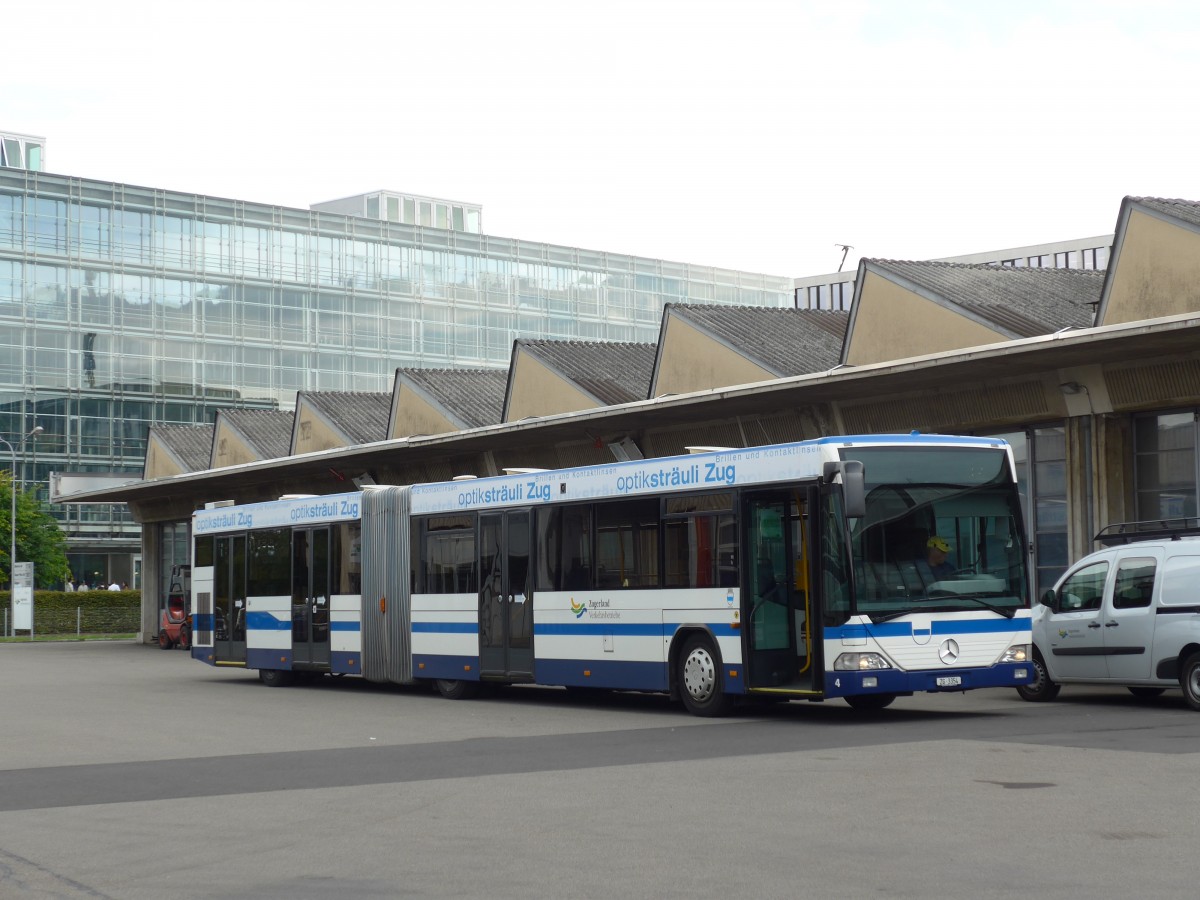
<point>854,492</point>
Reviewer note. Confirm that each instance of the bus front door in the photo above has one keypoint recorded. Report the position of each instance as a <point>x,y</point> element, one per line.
<point>505,597</point>
<point>229,599</point>
<point>310,597</point>
<point>777,599</point>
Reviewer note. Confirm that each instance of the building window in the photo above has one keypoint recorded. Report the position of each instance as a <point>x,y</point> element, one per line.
<point>1165,476</point>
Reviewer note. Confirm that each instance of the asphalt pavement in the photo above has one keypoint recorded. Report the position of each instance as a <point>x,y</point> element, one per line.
<point>130,772</point>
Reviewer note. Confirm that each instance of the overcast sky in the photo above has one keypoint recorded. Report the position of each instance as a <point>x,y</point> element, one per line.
<point>751,135</point>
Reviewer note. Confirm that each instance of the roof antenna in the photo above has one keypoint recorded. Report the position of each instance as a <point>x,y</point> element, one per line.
<point>846,248</point>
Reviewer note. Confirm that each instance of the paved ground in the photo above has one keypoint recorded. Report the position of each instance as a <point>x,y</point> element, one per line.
<point>127,772</point>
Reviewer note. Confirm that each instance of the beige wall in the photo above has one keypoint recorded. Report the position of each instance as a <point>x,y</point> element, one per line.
<point>413,414</point>
<point>159,462</point>
<point>892,322</point>
<point>229,449</point>
<point>313,432</point>
<point>1157,272</point>
<point>690,360</point>
<point>537,391</point>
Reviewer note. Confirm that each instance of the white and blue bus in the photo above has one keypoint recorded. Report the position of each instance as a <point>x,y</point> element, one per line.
<point>793,571</point>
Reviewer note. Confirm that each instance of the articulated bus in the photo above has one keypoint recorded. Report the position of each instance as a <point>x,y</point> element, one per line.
<point>800,571</point>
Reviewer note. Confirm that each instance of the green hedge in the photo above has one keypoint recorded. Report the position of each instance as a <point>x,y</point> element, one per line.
<point>82,612</point>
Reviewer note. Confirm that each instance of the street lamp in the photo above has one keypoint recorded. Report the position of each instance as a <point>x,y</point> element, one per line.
<point>12,552</point>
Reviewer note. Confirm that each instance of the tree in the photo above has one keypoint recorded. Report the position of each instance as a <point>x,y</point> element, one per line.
<point>39,539</point>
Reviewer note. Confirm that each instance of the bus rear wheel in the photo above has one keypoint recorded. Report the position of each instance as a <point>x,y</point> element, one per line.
<point>699,679</point>
<point>457,690</point>
<point>275,677</point>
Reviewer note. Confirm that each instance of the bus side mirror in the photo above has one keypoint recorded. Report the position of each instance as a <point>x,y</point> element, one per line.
<point>1048,598</point>
<point>854,491</point>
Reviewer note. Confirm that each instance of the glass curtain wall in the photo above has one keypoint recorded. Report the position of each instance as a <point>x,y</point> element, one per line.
<point>122,307</point>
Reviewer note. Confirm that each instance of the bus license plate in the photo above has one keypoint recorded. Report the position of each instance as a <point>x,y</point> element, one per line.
<point>949,681</point>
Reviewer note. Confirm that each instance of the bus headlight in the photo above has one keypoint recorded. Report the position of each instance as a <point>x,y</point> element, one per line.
<point>860,662</point>
<point>1016,653</point>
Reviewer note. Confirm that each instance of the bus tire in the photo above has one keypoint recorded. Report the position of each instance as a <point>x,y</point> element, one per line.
<point>453,689</point>
<point>275,677</point>
<point>1189,680</point>
<point>699,679</point>
<point>164,640</point>
<point>870,701</point>
<point>1040,689</point>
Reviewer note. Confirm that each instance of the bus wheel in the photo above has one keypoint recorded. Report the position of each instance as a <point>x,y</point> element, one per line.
<point>164,639</point>
<point>699,679</point>
<point>1189,680</point>
<point>870,701</point>
<point>457,690</point>
<point>1040,688</point>
<point>185,637</point>
<point>275,677</point>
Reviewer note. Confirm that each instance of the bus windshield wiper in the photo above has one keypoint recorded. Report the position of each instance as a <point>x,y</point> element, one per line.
<point>1007,611</point>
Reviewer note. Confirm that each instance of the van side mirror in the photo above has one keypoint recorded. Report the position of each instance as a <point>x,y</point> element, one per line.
<point>1048,598</point>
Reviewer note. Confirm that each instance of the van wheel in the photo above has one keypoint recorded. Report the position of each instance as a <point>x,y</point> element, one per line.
<point>1040,688</point>
<point>1189,680</point>
<point>699,678</point>
<point>1146,693</point>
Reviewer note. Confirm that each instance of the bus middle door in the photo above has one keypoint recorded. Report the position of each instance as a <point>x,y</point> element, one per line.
<point>505,596</point>
<point>229,599</point>
<point>310,596</point>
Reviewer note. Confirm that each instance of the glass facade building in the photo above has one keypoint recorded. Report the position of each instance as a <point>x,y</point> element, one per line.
<point>123,307</point>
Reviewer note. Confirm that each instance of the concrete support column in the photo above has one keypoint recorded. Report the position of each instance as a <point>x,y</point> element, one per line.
<point>151,580</point>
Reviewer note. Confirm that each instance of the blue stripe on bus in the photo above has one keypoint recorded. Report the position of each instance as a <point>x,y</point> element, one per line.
<point>265,621</point>
<point>445,627</point>
<point>258,658</point>
<point>937,627</point>
<point>454,668</point>
<point>896,681</point>
<point>646,629</point>
<point>345,626</point>
<point>633,676</point>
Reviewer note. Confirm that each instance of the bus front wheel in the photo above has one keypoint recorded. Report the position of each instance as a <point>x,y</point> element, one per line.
<point>275,677</point>
<point>870,701</point>
<point>699,679</point>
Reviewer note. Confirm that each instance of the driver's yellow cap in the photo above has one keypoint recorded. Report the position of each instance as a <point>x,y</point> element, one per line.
<point>938,543</point>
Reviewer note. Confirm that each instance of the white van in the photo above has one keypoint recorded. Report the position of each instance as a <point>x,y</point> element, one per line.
<point>1127,615</point>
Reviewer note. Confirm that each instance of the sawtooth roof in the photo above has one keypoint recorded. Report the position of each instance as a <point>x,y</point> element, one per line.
<point>611,371</point>
<point>361,416</point>
<point>1186,210</point>
<point>786,341</point>
<point>191,444</point>
<point>268,431</point>
<point>474,396</point>
<point>1022,302</point>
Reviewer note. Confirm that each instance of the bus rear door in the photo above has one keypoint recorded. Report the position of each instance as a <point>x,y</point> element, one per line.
<point>505,596</point>
<point>310,596</point>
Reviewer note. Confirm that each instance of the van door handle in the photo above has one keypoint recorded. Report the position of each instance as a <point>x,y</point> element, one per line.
<point>1111,624</point>
<point>1093,625</point>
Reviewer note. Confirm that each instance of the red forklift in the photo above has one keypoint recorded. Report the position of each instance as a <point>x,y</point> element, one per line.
<point>175,625</point>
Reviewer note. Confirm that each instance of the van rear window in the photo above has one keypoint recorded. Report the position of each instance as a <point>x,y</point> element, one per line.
<point>1181,581</point>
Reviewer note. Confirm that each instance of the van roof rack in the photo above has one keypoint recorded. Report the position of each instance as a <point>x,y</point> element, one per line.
<point>1124,532</point>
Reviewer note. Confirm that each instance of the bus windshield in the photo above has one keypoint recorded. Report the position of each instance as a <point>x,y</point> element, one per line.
<point>942,532</point>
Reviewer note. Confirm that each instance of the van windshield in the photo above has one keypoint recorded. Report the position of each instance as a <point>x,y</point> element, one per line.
<point>942,531</point>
